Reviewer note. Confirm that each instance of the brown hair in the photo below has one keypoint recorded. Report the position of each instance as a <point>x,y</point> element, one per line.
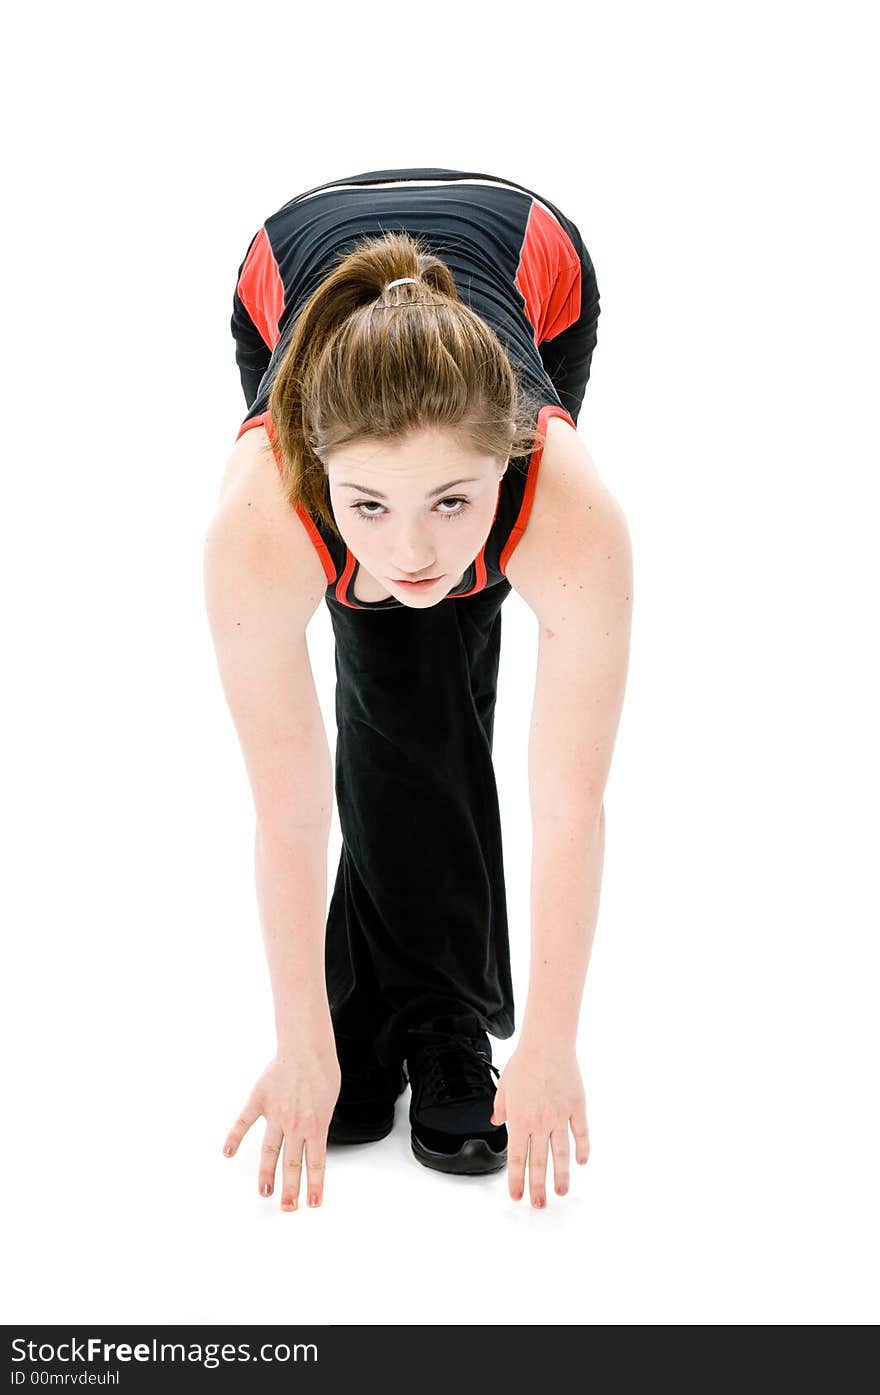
<point>364,363</point>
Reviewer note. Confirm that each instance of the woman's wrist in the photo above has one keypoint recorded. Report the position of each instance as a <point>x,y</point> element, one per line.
<point>310,1027</point>
<point>546,1035</point>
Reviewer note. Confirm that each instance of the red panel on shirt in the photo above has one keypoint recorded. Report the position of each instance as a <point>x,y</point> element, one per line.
<point>261,288</point>
<point>548,276</point>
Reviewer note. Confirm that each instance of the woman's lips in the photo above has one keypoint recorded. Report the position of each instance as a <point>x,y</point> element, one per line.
<point>428,581</point>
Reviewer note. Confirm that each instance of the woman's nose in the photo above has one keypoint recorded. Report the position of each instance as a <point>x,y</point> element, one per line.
<point>411,555</point>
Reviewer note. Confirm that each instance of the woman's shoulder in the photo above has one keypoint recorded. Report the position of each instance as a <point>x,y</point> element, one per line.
<point>569,502</point>
<point>256,517</point>
<point>251,456</point>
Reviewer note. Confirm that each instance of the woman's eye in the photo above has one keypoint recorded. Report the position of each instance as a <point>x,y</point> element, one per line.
<point>460,506</point>
<point>462,503</point>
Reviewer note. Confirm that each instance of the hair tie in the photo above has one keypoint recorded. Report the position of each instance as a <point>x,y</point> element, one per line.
<point>401,280</point>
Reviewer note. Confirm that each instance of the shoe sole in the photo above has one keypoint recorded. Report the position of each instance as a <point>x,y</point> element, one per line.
<point>473,1157</point>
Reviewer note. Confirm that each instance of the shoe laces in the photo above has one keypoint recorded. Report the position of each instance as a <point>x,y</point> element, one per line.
<point>451,1068</point>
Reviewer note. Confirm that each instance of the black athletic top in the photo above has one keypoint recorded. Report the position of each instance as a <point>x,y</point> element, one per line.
<point>517,261</point>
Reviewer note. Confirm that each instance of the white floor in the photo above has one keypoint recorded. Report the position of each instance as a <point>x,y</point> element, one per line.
<point>728,1183</point>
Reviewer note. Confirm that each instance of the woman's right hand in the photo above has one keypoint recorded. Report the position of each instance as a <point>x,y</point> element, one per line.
<point>296,1094</point>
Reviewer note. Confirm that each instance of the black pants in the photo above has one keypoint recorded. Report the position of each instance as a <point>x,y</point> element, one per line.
<point>417,926</point>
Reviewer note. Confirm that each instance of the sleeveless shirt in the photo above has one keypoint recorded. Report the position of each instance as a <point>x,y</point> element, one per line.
<point>516,263</point>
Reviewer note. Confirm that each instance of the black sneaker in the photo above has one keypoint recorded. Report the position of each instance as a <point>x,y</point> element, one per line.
<point>364,1108</point>
<point>453,1094</point>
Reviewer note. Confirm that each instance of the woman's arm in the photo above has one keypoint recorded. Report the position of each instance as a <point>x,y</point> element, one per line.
<point>573,566</point>
<point>263,581</point>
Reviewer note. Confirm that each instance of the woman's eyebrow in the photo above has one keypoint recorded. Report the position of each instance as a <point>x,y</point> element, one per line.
<point>365,489</point>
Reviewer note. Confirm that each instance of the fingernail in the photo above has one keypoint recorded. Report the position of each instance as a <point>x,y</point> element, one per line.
<point>517,1196</point>
<point>539,1201</point>
<point>266,1189</point>
<point>313,1199</point>
<point>228,1150</point>
<point>561,1191</point>
<point>288,1205</point>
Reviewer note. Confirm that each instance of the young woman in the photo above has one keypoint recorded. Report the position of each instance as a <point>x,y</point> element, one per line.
<point>414,346</point>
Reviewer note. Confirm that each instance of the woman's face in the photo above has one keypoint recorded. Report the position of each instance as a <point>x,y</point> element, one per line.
<point>416,508</point>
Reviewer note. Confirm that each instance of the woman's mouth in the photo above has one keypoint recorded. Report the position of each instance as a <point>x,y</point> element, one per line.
<point>426,581</point>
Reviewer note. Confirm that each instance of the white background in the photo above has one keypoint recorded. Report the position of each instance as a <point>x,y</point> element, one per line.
<point>720,161</point>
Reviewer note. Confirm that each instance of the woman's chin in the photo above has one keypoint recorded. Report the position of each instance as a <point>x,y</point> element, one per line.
<point>422,600</point>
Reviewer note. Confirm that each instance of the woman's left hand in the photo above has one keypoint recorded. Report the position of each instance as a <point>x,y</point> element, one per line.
<point>540,1093</point>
